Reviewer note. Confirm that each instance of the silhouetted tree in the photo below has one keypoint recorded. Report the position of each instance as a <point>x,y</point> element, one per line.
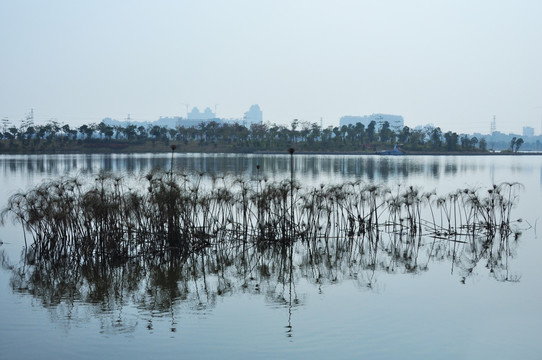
<point>451,139</point>
<point>371,131</point>
<point>436,138</point>
<point>518,144</point>
<point>87,130</point>
<point>386,134</point>
<point>482,144</point>
<point>512,143</point>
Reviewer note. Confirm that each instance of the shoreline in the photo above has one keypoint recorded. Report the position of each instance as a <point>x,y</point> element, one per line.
<point>99,147</point>
<point>167,149</point>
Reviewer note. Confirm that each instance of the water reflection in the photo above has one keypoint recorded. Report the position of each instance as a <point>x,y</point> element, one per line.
<point>159,287</point>
<point>379,168</point>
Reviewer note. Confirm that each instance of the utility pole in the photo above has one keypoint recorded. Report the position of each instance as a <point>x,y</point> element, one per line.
<point>30,117</point>
<point>5,123</point>
<point>493,127</point>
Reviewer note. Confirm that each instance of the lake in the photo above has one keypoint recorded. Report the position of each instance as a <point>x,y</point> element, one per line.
<point>440,299</point>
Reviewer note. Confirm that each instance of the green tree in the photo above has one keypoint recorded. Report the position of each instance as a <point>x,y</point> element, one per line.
<point>142,133</point>
<point>105,130</point>
<point>404,135</point>
<point>258,132</point>
<point>315,133</point>
<point>482,144</point>
<point>30,131</point>
<point>473,142</point>
<point>155,131</point>
<point>293,134</point>
<point>305,130</point>
<point>465,142</point>
<point>386,135</point>
<point>436,138</point>
<point>519,142</point>
<point>41,132</point>
<point>359,131</point>
<point>173,134</point>
<point>327,135</point>
<point>14,132</point>
<point>66,130</point>
<point>451,139</point>
<point>87,130</point>
<point>512,143</point>
<point>130,132</point>
<point>371,131</point>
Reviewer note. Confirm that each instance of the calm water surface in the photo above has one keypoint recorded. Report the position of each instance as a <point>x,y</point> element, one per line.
<point>272,304</point>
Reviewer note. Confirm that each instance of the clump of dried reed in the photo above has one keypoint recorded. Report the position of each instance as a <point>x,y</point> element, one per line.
<point>170,214</point>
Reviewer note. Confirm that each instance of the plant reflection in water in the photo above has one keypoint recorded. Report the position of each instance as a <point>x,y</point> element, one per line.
<point>177,242</point>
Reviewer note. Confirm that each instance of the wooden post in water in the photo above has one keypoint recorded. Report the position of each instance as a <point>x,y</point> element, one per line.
<point>291,151</point>
<point>173,231</point>
<point>172,147</point>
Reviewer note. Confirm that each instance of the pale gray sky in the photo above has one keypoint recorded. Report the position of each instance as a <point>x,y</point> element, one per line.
<point>454,64</point>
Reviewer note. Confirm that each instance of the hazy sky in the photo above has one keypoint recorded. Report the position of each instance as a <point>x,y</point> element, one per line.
<point>454,64</point>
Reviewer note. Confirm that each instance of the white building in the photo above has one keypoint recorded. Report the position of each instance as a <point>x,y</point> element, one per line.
<point>195,114</point>
<point>396,121</point>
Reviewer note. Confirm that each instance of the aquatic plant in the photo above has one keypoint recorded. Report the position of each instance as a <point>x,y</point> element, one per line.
<point>173,214</point>
<point>156,282</point>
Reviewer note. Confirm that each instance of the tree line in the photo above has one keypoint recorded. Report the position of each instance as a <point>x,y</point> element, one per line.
<point>222,136</point>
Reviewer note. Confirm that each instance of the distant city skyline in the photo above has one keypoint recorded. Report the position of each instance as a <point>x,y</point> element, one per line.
<point>451,64</point>
<point>255,115</point>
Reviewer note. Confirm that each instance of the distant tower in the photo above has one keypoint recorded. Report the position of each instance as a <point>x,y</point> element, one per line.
<point>29,119</point>
<point>493,125</point>
<point>493,129</point>
<point>5,123</point>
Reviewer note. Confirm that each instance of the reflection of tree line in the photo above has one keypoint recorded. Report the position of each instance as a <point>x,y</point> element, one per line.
<point>178,241</point>
<point>372,167</point>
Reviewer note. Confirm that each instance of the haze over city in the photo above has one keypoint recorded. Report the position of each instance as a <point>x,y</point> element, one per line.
<point>451,64</point>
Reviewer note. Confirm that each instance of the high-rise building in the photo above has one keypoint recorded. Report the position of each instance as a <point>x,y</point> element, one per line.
<point>528,131</point>
<point>253,116</point>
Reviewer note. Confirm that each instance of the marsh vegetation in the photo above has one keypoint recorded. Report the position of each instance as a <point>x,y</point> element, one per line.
<point>170,215</point>
<point>236,237</point>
